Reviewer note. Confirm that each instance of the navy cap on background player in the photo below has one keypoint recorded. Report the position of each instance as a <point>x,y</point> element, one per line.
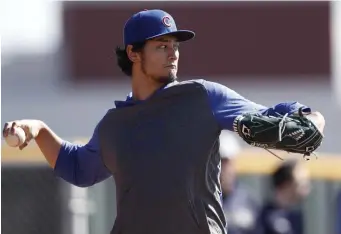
<point>149,24</point>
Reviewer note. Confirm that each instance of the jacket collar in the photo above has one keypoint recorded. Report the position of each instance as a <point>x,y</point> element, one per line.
<point>130,101</point>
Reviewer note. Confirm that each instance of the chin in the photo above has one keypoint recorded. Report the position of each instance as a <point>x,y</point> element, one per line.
<point>172,75</point>
<point>167,78</point>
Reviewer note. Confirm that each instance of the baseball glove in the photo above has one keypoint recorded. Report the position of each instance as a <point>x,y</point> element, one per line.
<point>292,133</point>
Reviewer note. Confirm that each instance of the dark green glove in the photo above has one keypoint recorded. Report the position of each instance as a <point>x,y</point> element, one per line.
<point>292,133</point>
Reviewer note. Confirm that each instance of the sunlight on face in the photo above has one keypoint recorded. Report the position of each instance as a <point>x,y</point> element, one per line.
<point>160,58</point>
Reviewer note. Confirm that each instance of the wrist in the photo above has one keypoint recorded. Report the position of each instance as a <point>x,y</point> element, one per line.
<point>39,127</point>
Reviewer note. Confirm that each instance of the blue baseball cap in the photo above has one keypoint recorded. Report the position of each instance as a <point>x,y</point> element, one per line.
<point>149,24</point>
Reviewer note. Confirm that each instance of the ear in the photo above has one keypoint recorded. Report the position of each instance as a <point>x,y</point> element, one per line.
<point>133,56</point>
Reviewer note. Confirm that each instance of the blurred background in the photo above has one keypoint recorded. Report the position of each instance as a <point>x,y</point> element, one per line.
<point>58,65</point>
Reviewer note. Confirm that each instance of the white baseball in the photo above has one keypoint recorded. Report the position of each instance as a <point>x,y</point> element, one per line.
<point>17,138</point>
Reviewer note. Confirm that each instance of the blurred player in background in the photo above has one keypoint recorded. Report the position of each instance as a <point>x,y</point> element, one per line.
<point>239,206</point>
<point>290,185</point>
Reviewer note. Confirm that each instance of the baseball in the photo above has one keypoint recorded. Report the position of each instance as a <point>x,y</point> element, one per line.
<point>17,138</point>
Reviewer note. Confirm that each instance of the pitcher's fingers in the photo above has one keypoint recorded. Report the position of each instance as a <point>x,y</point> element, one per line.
<point>21,147</point>
<point>14,124</point>
<point>5,129</point>
<point>28,137</point>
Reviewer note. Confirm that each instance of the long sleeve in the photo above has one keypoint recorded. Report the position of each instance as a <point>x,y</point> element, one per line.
<point>227,104</point>
<point>81,165</point>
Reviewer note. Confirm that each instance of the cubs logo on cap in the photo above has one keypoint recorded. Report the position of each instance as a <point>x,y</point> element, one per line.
<point>166,21</point>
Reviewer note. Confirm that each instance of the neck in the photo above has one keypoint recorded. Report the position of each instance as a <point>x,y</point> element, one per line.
<point>282,199</point>
<point>144,87</point>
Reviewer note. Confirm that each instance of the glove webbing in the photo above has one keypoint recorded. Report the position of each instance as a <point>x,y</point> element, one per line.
<point>307,155</point>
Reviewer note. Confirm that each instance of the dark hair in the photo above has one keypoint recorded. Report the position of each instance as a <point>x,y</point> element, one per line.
<point>284,173</point>
<point>123,61</point>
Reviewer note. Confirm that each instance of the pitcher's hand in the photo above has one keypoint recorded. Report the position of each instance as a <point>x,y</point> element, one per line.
<point>31,128</point>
